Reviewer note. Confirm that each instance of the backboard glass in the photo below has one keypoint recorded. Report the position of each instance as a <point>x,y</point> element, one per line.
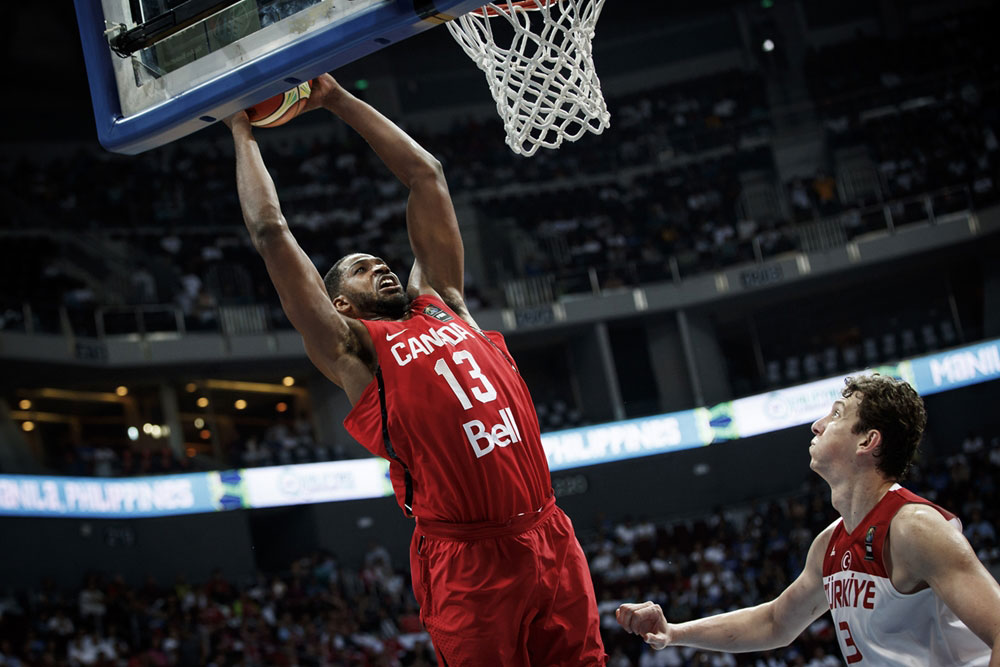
<point>234,58</point>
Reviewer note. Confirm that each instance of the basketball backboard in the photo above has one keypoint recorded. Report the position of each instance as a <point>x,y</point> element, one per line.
<point>162,69</point>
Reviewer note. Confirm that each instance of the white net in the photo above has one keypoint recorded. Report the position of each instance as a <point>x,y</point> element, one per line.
<point>538,59</point>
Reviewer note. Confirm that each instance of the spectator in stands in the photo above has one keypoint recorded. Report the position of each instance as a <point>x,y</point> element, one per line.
<point>801,203</point>
<point>826,192</point>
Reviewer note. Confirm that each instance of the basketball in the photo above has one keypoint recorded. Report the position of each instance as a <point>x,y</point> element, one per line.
<point>281,108</point>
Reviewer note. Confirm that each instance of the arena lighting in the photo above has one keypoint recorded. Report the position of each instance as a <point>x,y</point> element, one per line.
<point>24,404</point>
<point>281,407</point>
<point>28,426</point>
<point>37,417</point>
<point>202,402</point>
<point>240,386</point>
<point>240,404</point>
<point>768,45</point>
<point>133,433</point>
<point>190,387</point>
<point>75,395</point>
<point>121,390</point>
<point>288,381</point>
<point>199,422</point>
<point>791,407</point>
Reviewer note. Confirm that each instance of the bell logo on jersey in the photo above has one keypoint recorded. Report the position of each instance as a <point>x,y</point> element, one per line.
<point>484,440</point>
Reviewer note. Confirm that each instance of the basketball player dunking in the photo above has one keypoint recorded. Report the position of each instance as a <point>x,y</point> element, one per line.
<point>497,569</point>
<point>902,583</point>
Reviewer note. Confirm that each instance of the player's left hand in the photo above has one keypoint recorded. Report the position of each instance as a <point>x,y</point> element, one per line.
<point>325,91</point>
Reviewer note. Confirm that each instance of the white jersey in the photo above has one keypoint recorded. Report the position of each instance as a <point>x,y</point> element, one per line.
<point>876,624</point>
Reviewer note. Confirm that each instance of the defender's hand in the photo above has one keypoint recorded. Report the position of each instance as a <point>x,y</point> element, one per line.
<point>645,619</point>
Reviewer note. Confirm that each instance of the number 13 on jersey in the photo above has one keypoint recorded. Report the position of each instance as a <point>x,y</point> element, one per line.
<point>484,393</point>
<point>481,437</point>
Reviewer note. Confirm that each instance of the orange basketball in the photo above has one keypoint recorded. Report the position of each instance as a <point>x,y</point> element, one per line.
<point>281,108</point>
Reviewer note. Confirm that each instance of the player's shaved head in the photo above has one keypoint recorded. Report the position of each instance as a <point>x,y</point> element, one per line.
<point>333,277</point>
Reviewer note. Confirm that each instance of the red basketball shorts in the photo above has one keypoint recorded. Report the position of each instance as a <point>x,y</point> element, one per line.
<point>508,594</point>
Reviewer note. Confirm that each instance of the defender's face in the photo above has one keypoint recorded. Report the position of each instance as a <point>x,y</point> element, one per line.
<point>835,440</point>
<point>371,287</point>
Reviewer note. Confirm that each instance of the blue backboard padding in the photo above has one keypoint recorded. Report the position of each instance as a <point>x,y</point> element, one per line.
<point>323,51</point>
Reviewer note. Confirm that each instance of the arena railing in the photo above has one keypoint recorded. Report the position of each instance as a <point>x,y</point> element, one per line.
<point>827,233</point>
<point>169,320</point>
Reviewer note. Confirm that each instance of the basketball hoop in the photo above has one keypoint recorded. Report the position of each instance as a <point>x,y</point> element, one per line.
<point>544,82</point>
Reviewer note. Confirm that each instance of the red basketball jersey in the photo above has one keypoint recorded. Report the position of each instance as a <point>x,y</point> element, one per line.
<point>451,413</point>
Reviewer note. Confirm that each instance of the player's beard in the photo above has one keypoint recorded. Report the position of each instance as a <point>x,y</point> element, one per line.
<point>390,306</point>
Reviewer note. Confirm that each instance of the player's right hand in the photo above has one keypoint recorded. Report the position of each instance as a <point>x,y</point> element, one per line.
<point>645,619</point>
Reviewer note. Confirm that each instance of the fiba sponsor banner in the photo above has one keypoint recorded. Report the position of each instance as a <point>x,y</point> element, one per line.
<point>92,497</point>
<point>958,368</point>
<point>316,483</point>
<point>806,403</point>
<point>622,440</point>
<point>780,409</point>
<point>794,406</point>
<point>32,495</point>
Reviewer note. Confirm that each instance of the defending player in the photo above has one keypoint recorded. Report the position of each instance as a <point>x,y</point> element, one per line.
<point>497,569</point>
<point>902,583</point>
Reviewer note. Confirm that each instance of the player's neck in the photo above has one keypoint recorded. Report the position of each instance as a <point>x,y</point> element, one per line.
<point>854,498</point>
<point>388,318</point>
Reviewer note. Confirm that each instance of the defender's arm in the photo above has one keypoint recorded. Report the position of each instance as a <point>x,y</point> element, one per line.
<point>766,626</point>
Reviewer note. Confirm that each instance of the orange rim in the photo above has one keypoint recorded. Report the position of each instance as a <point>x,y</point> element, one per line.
<point>525,5</point>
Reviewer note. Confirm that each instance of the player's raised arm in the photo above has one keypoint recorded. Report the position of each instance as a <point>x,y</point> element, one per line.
<point>928,551</point>
<point>766,626</point>
<point>430,215</point>
<point>331,340</point>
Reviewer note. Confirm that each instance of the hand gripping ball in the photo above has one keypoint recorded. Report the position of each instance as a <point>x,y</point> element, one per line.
<point>281,108</point>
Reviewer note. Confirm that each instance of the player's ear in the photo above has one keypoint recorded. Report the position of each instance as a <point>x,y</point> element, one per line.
<point>343,305</point>
<point>872,441</point>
